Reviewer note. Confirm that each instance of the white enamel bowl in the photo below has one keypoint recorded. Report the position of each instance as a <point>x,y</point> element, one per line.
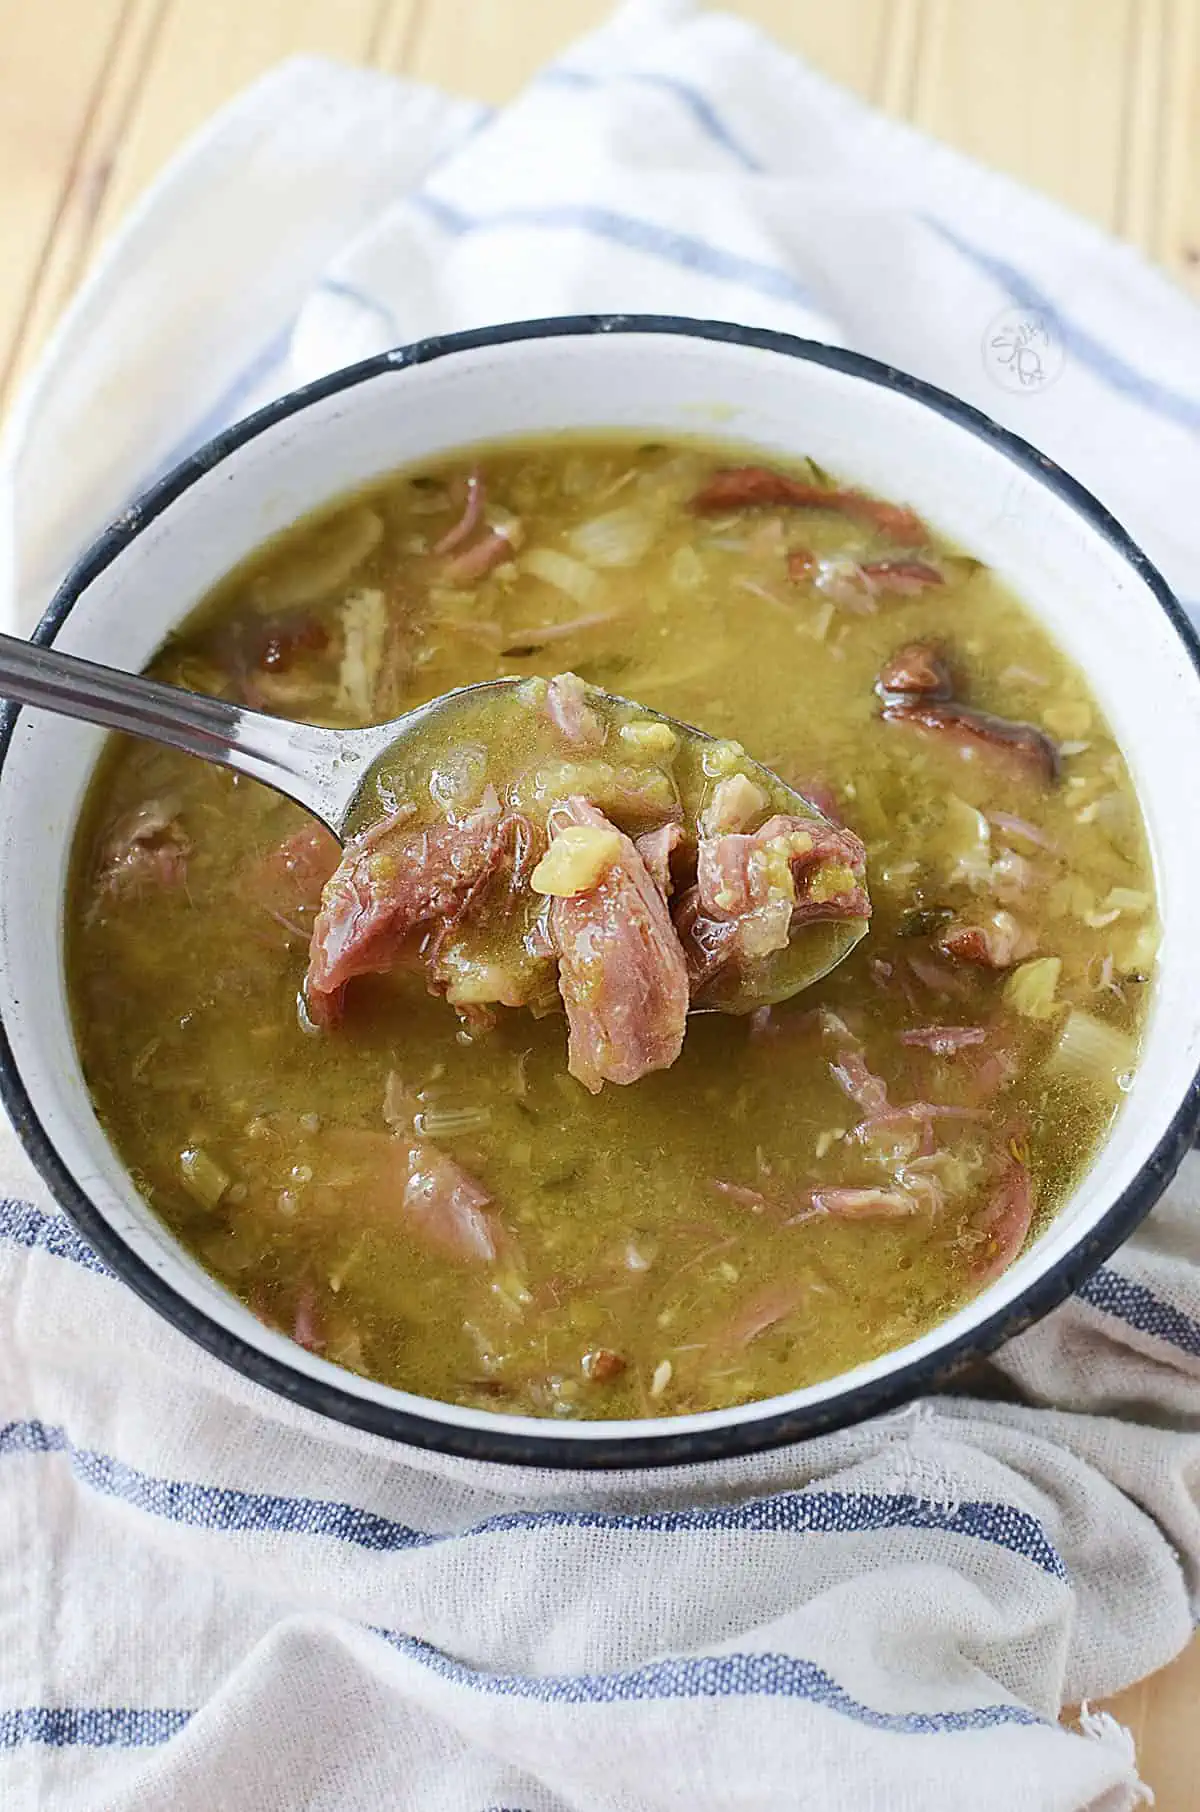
<point>988,491</point>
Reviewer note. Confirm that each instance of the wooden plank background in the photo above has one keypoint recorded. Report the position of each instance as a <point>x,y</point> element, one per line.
<point>1095,101</point>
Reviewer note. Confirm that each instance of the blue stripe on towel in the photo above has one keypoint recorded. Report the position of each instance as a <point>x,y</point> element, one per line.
<point>234,401</point>
<point>1091,353</point>
<point>24,1225</point>
<point>682,249</point>
<point>708,1677</point>
<point>811,1512</point>
<point>1132,1303</point>
<point>692,100</point>
<point>90,1726</point>
<point>362,300</point>
<point>483,116</point>
<point>1020,289</point>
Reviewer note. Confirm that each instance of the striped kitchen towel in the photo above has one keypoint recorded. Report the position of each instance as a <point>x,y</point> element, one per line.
<point>213,1601</point>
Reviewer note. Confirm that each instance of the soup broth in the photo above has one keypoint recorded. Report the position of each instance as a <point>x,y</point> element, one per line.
<point>413,1184</point>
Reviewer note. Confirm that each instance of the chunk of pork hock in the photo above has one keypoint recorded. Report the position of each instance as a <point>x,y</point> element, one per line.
<point>754,890</point>
<point>622,974</point>
<point>392,884</point>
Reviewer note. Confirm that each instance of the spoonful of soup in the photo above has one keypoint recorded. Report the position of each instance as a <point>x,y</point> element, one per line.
<point>528,843</point>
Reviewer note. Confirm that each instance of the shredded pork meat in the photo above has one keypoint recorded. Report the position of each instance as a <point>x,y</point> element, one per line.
<point>145,848</point>
<point>656,848</point>
<point>392,885</point>
<point>447,1208</point>
<point>621,971</point>
<point>916,688</point>
<point>759,487</point>
<point>990,940</point>
<point>754,889</point>
<point>1005,1220</point>
<point>570,713</point>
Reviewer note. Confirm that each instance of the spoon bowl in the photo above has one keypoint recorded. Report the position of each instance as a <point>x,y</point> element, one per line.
<point>336,774</point>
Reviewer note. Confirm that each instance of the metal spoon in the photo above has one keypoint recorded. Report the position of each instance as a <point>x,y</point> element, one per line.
<point>322,770</point>
<point>326,771</point>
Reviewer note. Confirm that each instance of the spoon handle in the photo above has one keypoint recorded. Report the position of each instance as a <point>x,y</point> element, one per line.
<point>317,768</point>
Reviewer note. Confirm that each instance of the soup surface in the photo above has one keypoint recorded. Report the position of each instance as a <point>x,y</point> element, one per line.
<point>396,1167</point>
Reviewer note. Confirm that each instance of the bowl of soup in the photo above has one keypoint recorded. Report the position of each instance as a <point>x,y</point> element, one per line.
<point>480,1192</point>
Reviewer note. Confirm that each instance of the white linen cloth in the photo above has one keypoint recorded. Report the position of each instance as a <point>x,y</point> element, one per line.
<point>212,1601</point>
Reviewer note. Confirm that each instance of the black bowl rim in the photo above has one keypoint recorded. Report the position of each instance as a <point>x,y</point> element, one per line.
<point>670,1445</point>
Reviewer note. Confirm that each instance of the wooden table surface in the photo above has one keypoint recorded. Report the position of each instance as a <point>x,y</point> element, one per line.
<point>1095,101</point>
